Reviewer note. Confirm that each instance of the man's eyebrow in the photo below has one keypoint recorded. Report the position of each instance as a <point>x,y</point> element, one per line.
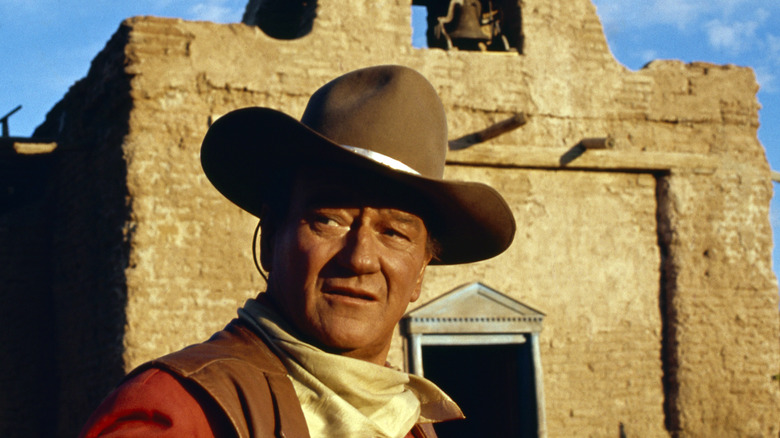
<point>406,217</point>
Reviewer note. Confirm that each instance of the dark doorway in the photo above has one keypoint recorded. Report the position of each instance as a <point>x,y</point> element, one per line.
<point>493,384</point>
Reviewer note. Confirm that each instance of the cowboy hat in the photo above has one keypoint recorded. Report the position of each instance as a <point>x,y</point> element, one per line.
<point>385,120</point>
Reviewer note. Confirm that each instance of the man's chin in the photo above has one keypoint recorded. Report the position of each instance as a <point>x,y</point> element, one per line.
<point>354,344</point>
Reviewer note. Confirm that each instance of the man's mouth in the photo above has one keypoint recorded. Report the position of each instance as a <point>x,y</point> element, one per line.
<point>358,294</point>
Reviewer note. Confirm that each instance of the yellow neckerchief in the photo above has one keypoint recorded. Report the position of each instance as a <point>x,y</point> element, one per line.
<point>347,397</point>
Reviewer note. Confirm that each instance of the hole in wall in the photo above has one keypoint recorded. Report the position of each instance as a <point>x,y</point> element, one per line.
<point>282,19</point>
<point>470,25</point>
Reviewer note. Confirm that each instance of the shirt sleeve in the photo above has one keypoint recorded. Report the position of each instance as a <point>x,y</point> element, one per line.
<point>155,404</point>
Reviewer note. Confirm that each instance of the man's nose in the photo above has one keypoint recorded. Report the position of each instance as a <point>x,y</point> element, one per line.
<point>360,253</point>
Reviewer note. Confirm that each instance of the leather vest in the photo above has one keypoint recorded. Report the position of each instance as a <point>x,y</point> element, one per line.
<point>249,383</point>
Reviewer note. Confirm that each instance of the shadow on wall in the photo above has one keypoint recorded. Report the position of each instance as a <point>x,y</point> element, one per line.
<point>27,369</point>
<point>65,291</point>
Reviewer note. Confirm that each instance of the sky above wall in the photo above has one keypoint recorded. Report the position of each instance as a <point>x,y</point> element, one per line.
<point>47,45</point>
<point>740,32</point>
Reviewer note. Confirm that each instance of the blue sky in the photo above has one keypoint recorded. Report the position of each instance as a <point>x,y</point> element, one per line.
<point>739,32</point>
<point>47,45</point>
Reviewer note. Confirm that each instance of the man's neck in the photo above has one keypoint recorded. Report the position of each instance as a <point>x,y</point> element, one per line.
<point>378,357</point>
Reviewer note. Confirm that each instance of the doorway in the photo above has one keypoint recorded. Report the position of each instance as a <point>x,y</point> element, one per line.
<point>493,385</point>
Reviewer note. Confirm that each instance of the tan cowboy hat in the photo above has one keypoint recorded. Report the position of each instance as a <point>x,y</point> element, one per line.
<point>386,120</point>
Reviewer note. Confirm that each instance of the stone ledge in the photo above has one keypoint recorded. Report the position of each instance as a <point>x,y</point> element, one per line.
<point>26,146</point>
<point>579,158</point>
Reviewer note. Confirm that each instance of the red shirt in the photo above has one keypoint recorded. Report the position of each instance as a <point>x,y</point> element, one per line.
<point>156,404</point>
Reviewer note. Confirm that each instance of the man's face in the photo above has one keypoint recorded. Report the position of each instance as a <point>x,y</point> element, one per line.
<point>346,262</point>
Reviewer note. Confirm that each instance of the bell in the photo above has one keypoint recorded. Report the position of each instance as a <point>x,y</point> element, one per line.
<point>468,28</point>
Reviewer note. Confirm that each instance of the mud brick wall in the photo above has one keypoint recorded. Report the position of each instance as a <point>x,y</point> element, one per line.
<point>651,260</point>
<point>90,236</point>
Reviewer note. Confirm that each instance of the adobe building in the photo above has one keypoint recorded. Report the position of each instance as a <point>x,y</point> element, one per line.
<point>641,271</point>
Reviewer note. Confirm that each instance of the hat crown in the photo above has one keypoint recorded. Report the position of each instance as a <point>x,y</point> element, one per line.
<point>390,110</point>
<point>385,120</point>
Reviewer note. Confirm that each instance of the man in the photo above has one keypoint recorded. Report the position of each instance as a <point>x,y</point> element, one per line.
<point>353,208</point>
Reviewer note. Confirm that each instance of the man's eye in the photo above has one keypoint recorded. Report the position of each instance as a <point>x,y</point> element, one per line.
<point>325,220</point>
<point>390,232</point>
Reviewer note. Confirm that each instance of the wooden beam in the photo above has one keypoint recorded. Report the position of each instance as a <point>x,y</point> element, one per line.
<point>578,157</point>
<point>491,131</point>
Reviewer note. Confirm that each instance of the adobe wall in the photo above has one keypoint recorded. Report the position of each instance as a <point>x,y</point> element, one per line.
<point>28,366</point>
<point>651,260</point>
<point>89,238</point>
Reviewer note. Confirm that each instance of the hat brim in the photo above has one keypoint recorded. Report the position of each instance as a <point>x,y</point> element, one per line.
<point>243,149</point>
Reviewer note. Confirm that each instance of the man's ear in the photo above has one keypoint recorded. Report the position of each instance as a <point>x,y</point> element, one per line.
<point>418,287</point>
<point>267,234</point>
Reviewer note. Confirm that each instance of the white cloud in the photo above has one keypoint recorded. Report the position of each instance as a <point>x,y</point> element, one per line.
<point>731,37</point>
<point>774,215</point>
<point>13,12</point>
<point>736,37</point>
<point>647,55</point>
<point>216,11</point>
<point>19,7</point>
<point>683,14</point>
<point>766,78</point>
<point>632,14</point>
<point>773,46</point>
<point>680,13</point>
